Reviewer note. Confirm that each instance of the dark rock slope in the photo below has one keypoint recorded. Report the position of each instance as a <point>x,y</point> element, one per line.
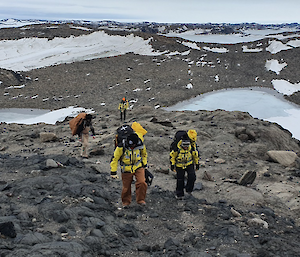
<point>53,203</point>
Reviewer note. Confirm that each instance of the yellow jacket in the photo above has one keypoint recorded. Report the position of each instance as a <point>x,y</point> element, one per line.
<point>123,106</point>
<point>130,160</point>
<point>183,158</point>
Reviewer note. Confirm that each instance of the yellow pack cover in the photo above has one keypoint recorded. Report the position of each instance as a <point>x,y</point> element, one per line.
<point>192,134</point>
<point>139,130</point>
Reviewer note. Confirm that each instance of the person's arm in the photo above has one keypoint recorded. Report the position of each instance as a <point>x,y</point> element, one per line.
<point>114,162</point>
<point>173,156</point>
<point>92,129</point>
<point>195,154</point>
<point>144,156</point>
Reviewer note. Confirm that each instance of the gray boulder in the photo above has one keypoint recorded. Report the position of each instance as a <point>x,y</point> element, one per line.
<point>285,158</point>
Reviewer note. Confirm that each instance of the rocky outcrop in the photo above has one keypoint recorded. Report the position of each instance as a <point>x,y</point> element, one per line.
<point>54,202</point>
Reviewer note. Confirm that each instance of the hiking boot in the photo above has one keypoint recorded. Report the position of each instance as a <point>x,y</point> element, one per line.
<point>179,197</point>
<point>142,204</point>
<point>126,206</point>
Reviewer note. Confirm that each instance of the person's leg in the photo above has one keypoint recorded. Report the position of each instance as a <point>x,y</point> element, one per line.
<point>121,115</point>
<point>85,139</point>
<point>140,186</point>
<point>180,182</point>
<point>126,190</point>
<point>191,178</point>
<point>124,115</point>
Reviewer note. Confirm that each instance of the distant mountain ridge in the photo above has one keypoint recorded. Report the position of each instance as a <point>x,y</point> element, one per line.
<point>153,27</point>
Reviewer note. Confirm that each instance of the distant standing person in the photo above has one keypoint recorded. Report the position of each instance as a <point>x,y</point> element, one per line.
<point>183,160</point>
<point>123,106</point>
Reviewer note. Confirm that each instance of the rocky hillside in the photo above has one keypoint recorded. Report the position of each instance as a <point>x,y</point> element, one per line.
<point>53,203</point>
<point>145,80</point>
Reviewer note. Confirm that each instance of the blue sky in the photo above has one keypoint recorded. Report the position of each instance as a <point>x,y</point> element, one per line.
<point>172,11</point>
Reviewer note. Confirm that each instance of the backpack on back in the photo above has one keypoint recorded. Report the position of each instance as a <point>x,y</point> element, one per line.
<point>182,134</point>
<point>121,138</point>
<point>139,130</point>
<point>124,131</point>
<point>76,124</point>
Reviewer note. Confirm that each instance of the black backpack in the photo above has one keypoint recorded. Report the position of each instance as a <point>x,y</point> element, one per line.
<point>120,140</point>
<point>122,133</point>
<point>180,134</point>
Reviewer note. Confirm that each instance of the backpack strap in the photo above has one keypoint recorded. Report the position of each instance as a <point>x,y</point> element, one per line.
<point>122,163</point>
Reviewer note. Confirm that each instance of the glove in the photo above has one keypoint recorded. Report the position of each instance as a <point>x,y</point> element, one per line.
<point>173,168</point>
<point>114,176</point>
<point>197,166</point>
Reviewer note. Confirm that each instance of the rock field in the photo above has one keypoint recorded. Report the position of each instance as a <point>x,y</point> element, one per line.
<point>54,203</point>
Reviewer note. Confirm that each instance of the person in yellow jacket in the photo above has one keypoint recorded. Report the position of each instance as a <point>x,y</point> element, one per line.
<point>183,160</point>
<point>123,106</point>
<point>133,160</point>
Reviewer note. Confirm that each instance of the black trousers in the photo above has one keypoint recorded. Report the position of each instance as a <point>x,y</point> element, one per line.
<point>191,178</point>
<point>123,115</point>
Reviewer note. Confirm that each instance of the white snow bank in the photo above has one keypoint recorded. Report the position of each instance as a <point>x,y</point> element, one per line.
<point>50,117</point>
<point>277,46</point>
<point>191,45</point>
<point>294,43</point>
<point>12,23</point>
<point>285,87</point>
<point>289,122</point>
<point>31,53</point>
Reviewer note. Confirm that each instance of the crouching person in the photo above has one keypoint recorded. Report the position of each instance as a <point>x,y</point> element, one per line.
<point>132,157</point>
<point>183,160</point>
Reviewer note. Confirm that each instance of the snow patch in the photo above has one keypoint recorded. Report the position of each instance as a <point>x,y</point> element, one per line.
<point>274,65</point>
<point>216,49</point>
<point>285,87</point>
<point>276,47</point>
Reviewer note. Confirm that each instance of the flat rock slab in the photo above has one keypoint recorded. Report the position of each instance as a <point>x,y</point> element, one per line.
<point>285,158</point>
